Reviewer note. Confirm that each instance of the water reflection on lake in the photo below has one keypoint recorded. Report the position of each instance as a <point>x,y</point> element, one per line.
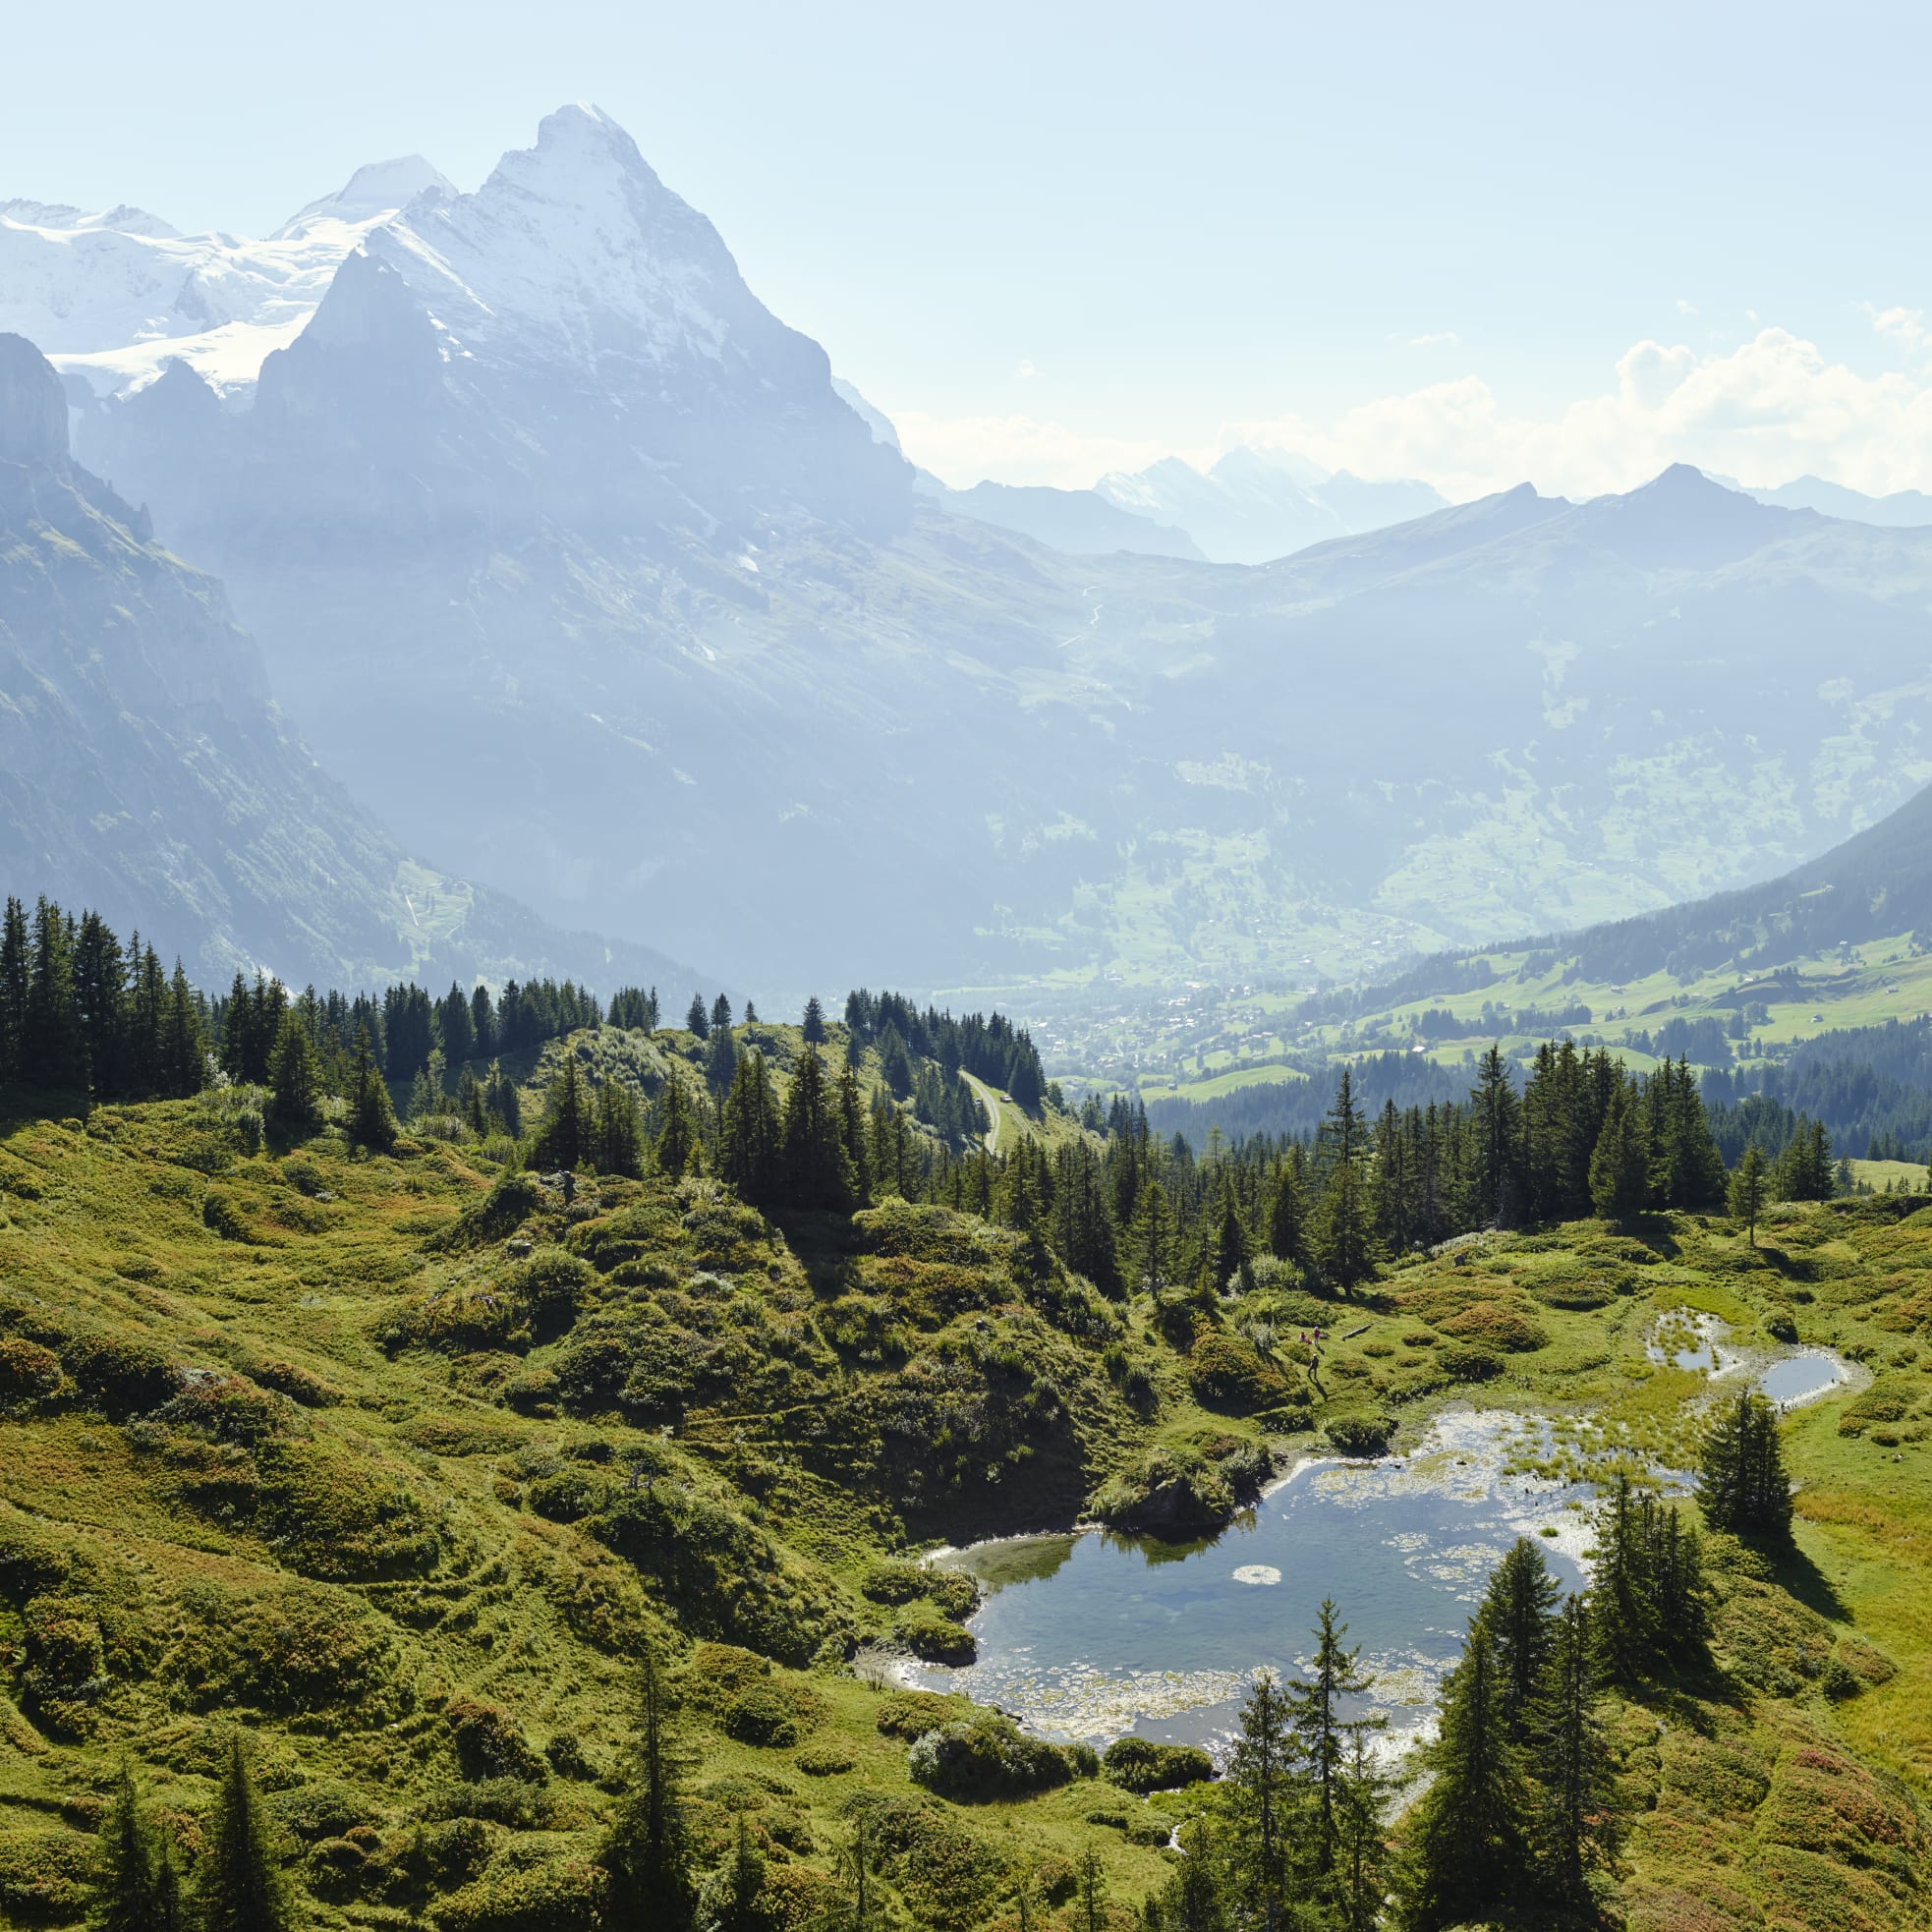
<point>1096,1635</point>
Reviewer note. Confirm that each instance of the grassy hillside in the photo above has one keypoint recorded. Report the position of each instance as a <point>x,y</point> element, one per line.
<point>396,1463</point>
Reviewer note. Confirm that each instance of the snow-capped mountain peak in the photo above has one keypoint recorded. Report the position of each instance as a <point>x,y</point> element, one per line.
<point>576,243</point>
<point>114,297</point>
<point>375,192</point>
<point>62,219</point>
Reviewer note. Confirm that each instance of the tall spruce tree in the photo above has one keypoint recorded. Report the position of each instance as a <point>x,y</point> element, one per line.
<point>749,1147</point>
<point>1623,1608</point>
<point>1743,1486</point>
<point>242,1887</point>
<point>1194,1897</point>
<point>54,1048</point>
<point>646,1855</point>
<point>295,1073</point>
<point>1573,1817</point>
<point>1748,1191</point>
<point>1466,1852</point>
<point>1519,1609</point>
<point>127,1888</point>
<point>1260,1803</point>
<point>1287,1208</point>
<point>678,1149</point>
<point>564,1135</point>
<point>1359,1885</point>
<point>1323,1741</point>
<point>372,1119</point>
<point>817,1166</point>
<point>1344,1225</point>
<point>15,955</point>
<point>1620,1169</point>
<point>1498,1142</point>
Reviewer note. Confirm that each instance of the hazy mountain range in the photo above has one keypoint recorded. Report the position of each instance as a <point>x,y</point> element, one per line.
<point>144,770</point>
<point>572,562</point>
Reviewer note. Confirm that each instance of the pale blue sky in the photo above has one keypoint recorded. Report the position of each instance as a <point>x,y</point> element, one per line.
<point>1415,238</point>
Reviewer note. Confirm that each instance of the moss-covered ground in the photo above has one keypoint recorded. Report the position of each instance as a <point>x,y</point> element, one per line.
<point>397,1461</point>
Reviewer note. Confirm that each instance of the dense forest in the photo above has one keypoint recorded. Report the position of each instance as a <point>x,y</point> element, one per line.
<point>1118,1204</point>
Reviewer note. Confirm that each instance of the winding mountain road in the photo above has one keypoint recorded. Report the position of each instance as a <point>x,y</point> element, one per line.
<point>991,1101</point>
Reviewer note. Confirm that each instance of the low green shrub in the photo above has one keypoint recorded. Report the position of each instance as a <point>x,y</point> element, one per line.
<point>1360,1432</point>
<point>985,1758</point>
<point>1139,1765</point>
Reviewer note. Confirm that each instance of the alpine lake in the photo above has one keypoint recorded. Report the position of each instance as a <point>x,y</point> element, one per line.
<point>1091,1635</point>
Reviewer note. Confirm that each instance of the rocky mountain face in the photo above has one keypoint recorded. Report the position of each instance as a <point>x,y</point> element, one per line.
<point>145,771</point>
<point>569,554</point>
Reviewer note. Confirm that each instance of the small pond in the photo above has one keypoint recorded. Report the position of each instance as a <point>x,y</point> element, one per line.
<point>1091,1636</point>
<point>1789,1377</point>
<point>1804,1376</point>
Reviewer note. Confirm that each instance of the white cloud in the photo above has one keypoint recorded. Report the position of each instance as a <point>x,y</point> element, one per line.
<point>1018,449</point>
<point>1685,307</point>
<point>1905,326</point>
<point>1441,338</point>
<point>1025,370</point>
<point>1772,408</point>
<point>1766,411</point>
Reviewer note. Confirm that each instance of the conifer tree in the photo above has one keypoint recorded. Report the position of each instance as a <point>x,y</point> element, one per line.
<point>646,1854</point>
<point>1743,1486</point>
<point>728,1900</point>
<point>242,1887</point>
<point>1193,1899</point>
<point>1499,1136</point>
<point>294,1074</point>
<point>1344,1221</point>
<point>1260,1793</point>
<point>852,1136</point>
<point>1359,1885</point>
<point>618,1135</point>
<point>1623,1609</point>
<point>749,1144</point>
<point>564,1134</point>
<point>1228,1241</point>
<point>677,1150</point>
<point>1466,1851</point>
<point>1287,1209</point>
<point>721,1014</point>
<point>126,1895</point>
<point>813,1027</point>
<point>1620,1169</point>
<point>1154,1232</point>
<point>1747,1192</point>
<point>1519,1611</point>
<point>14,970</point>
<point>1322,1738</point>
<point>54,1047</point>
<point>1089,1891</point>
<point>372,1119</point>
<point>818,1169</point>
<point>183,1052</point>
<point>1573,1817</point>
<point>721,1061</point>
<point>695,1020</point>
